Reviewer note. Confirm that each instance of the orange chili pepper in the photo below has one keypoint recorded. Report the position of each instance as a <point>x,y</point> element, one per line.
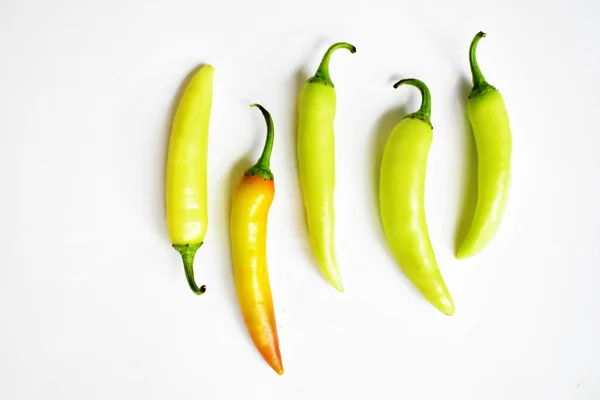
<point>249,212</point>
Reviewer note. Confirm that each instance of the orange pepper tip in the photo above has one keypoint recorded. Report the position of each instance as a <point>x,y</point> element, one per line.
<point>272,356</point>
<point>276,364</point>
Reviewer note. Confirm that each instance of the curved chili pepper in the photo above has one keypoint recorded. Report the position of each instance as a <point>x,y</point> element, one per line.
<point>249,213</point>
<point>316,164</point>
<point>187,216</point>
<point>491,129</point>
<point>402,205</point>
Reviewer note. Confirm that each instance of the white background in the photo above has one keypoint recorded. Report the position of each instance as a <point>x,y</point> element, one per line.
<point>93,299</point>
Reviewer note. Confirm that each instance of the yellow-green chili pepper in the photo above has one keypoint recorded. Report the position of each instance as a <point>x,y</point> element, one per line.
<point>187,216</point>
<point>402,203</point>
<point>316,164</point>
<point>491,129</point>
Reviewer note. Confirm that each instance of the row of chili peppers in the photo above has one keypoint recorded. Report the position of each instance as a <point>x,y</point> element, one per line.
<point>401,190</point>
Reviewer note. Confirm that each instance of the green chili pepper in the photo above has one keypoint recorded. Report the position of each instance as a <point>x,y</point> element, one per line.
<point>316,164</point>
<point>491,129</point>
<point>402,205</point>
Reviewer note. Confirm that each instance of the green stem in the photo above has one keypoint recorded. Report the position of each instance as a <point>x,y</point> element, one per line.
<point>322,74</point>
<point>188,251</point>
<point>262,166</point>
<point>424,112</point>
<point>480,85</point>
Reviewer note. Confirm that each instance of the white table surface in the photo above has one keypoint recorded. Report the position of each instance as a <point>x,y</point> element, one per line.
<point>93,299</point>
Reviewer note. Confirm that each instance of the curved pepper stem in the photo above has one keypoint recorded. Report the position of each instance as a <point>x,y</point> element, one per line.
<point>424,112</point>
<point>322,74</point>
<point>188,251</point>
<point>480,85</point>
<point>262,166</point>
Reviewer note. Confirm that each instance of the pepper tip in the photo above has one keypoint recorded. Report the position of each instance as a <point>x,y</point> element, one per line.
<point>338,286</point>
<point>334,279</point>
<point>276,364</point>
<point>461,253</point>
<point>446,305</point>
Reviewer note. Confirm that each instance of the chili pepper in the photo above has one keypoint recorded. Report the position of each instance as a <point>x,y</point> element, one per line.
<point>249,213</point>
<point>402,205</point>
<point>316,164</point>
<point>187,216</point>
<point>491,129</point>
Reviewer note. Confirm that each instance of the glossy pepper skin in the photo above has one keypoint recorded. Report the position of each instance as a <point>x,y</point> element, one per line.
<point>491,129</point>
<point>187,216</point>
<point>402,205</point>
<point>316,164</point>
<point>249,213</point>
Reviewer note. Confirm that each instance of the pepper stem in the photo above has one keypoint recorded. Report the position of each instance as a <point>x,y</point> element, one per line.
<point>262,166</point>
<point>424,112</point>
<point>188,251</point>
<point>480,85</point>
<point>322,74</point>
